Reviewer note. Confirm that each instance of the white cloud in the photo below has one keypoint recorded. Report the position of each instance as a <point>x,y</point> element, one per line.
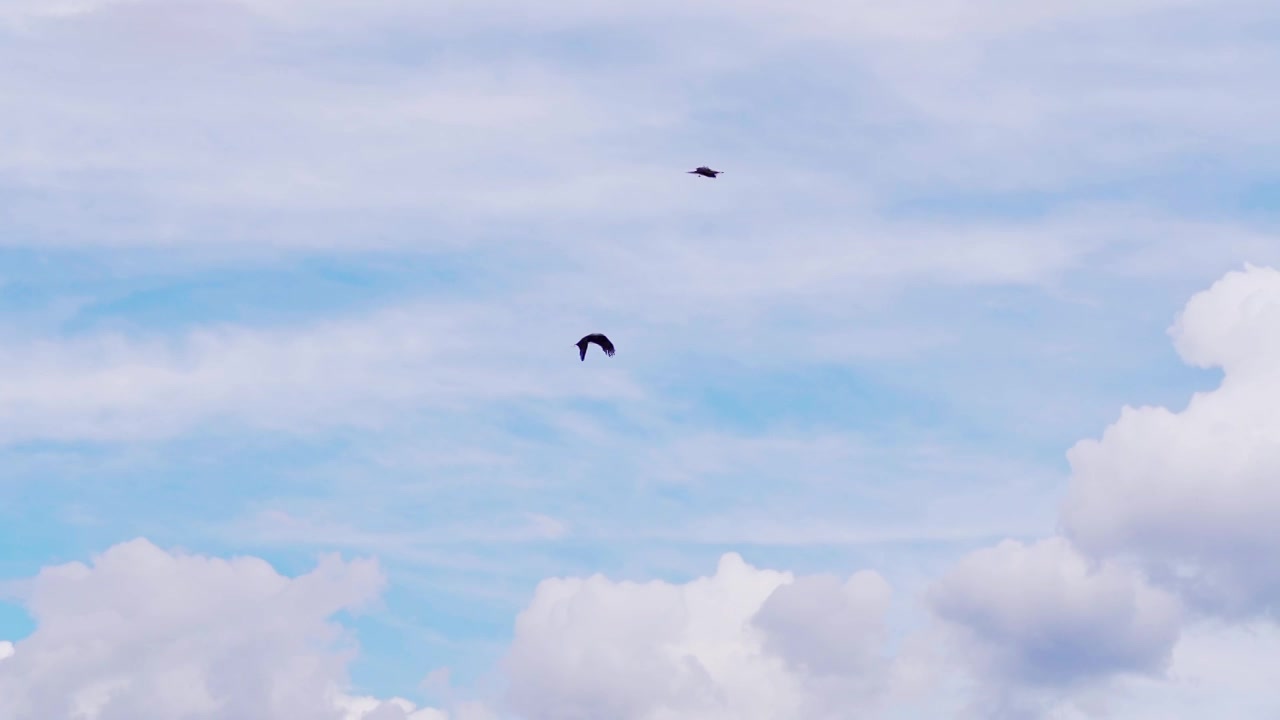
<point>1039,619</point>
<point>274,133</point>
<point>368,708</point>
<point>743,643</point>
<point>917,19</point>
<point>1166,509</point>
<point>1229,325</point>
<point>1217,669</point>
<point>1044,633</point>
<point>1192,495</point>
<point>982,94</point>
<point>361,369</point>
<point>1226,671</point>
<point>143,633</point>
<point>343,372</point>
<point>822,625</point>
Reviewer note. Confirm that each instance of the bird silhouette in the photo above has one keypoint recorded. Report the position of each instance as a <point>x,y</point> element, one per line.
<point>705,171</point>
<point>596,338</point>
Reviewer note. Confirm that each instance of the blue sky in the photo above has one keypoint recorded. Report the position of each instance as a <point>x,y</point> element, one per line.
<point>283,278</point>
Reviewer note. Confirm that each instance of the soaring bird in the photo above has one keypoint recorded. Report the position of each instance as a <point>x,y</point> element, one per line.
<point>596,338</point>
<point>705,172</point>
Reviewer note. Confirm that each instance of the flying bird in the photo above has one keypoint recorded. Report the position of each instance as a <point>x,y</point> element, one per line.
<point>705,172</point>
<point>596,338</point>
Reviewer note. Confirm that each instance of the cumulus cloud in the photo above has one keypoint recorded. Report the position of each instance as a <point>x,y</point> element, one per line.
<point>1041,617</point>
<point>743,643</point>
<point>143,634</point>
<point>810,622</point>
<point>1193,495</point>
<point>1169,510</point>
<point>1218,669</point>
<point>369,708</point>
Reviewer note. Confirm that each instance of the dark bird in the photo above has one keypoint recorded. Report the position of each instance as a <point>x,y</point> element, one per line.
<point>596,338</point>
<point>705,171</point>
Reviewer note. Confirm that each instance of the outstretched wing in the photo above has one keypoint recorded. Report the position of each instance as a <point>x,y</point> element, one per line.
<point>596,338</point>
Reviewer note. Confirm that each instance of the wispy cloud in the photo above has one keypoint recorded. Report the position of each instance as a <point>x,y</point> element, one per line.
<point>283,276</point>
<point>339,372</point>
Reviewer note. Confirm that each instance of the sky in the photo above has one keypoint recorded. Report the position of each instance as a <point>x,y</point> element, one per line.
<point>951,397</point>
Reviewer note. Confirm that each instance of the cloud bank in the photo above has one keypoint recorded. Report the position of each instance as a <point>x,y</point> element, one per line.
<point>1167,528</point>
<point>907,183</point>
<point>144,633</point>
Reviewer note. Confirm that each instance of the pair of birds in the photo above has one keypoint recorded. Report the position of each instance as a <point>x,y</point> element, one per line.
<point>598,338</point>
